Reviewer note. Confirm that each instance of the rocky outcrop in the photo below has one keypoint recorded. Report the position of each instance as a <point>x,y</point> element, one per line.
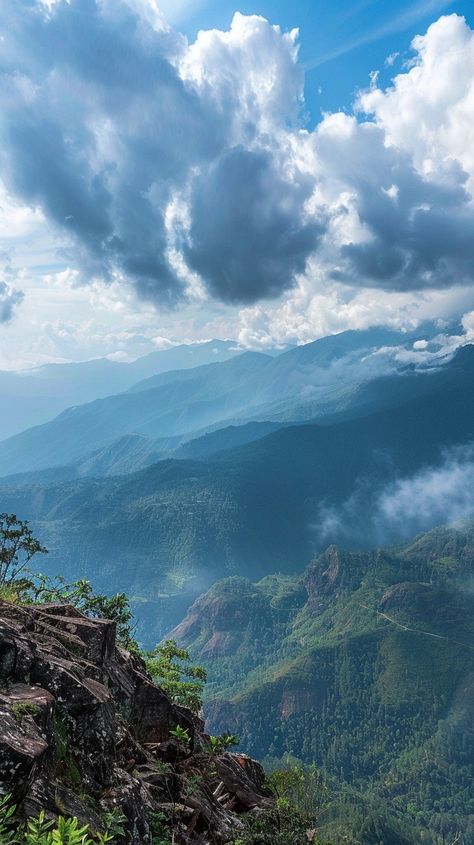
<point>336,573</point>
<point>236,615</point>
<point>84,731</point>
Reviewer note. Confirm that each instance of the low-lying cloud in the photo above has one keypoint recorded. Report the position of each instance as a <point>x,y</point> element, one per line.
<point>378,514</point>
<point>160,162</point>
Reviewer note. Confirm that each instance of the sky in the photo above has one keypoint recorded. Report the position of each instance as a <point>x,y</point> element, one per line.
<point>267,172</point>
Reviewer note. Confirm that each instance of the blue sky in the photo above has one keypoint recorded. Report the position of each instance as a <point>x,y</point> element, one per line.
<point>341,42</point>
<point>156,188</point>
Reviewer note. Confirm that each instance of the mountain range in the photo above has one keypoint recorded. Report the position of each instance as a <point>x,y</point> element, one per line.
<point>31,397</point>
<point>166,533</point>
<point>309,382</point>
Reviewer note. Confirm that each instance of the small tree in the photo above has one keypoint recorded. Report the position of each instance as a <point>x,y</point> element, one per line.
<point>171,669</point>
<point>17,547</point>
<point>300,800</point>
<point>301,788</point>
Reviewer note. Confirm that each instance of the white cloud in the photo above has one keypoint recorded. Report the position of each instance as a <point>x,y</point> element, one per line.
<point>428,112</point>
<point>251,72</point>
<point>378,514</point>
<point>191,181</point>
<point>442,494</point>
<point>391,59</point>
<point>306,314</point>
<point>18,221</point>
<point>10,298</point>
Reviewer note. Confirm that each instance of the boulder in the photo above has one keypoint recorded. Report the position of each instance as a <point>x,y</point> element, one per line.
<point>25,735</point>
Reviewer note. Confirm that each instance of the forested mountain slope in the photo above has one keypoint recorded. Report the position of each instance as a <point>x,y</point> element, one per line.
<point>364,666</point>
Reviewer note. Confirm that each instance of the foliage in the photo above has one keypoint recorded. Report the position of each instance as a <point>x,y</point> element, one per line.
<point>63,755</point>
<point>181,734</point>
<point>7,810</point>
<point>43,831</point>
<point>114,826</point>
<point>17,547</point>
<point>24,708</point>
<point>160,829</point>
<point>162,767</point>
<point>217,744</point>
<point>41,588</point>
<point>37,588</point>
<point>380,708</point>
<point>171,669</point>
<point>301,787</point>
<point>300,799</point>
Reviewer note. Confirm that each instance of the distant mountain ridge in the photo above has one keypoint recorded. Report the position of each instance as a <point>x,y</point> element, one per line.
<point>322,379</point>
<point>183,401</point>
<point>133,452</point>
<point>31,397</point>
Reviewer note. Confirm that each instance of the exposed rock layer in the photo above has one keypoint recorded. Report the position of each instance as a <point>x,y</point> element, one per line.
<point>84,730</point>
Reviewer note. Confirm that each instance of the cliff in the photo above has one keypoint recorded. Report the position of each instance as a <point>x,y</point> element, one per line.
<point>85,732</point>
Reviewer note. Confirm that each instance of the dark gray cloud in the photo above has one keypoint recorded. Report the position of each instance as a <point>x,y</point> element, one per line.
<point>422,238</point>
<point>100,131</point>
<point>418,233</point>
<point>248,234</point>
<point>103,120</point>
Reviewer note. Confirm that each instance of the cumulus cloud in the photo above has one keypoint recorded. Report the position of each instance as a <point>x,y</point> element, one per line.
<point>10,298</point>
<point>415,232</point>
<point>186,169</point>
<point>10,295</point>
<point>380,513</point>
<point>427,112</point>
<point>108,120</point>
<point>270,238</point>
<point>307,313</point>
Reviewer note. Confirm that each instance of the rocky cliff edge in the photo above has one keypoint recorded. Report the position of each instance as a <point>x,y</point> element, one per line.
<point>84,732</point>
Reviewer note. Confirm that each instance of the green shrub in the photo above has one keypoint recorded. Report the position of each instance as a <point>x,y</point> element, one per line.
<point>64,831</point>
<point>300,799</point>
<point>17,547</point>
<point>217,744</point>
<point>181,734</point>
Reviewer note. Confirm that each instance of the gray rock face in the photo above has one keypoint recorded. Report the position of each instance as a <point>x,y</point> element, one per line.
<point>84,731</point>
